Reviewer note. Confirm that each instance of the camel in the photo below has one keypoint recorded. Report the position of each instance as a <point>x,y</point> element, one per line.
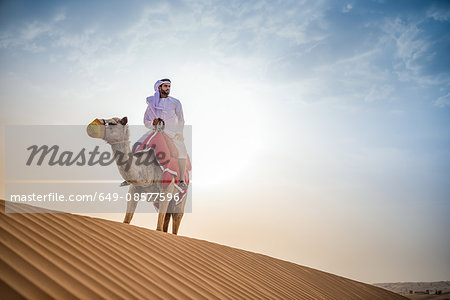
<point>142,178</point>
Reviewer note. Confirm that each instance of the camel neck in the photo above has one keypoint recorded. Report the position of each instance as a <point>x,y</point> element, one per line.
<point>123,147</point>
<point>123,157</point>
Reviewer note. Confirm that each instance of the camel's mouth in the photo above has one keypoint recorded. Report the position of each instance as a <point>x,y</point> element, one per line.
<point>96,129</point>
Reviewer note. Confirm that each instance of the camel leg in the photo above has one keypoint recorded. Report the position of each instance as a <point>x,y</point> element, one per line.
<point>166,221</point>
<point>176,222</point>
<point>162,215</point>
<point>131,205</point>
<point>178,215</point>
<point>163,206</point>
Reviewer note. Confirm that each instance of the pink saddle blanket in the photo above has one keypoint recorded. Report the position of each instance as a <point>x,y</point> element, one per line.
<point>166,154</point>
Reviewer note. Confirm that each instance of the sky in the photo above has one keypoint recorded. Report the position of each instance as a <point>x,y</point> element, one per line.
<point>320,129</point>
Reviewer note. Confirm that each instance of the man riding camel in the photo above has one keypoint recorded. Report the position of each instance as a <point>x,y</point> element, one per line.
<point>169,109</point>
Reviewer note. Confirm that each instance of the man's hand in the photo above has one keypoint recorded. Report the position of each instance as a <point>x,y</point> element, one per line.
<point>158,124</point>
<point>157,121</point>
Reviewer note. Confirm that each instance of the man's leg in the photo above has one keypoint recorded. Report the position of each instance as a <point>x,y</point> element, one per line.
<point>182,167</point>
<point>182,157</point>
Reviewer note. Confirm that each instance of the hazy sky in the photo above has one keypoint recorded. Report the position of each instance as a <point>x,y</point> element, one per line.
<point>321,130</point>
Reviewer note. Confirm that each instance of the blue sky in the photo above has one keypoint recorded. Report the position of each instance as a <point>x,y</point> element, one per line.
<point>332,117</point>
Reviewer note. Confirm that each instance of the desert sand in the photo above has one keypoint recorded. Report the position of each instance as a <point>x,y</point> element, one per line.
<point>67,256</point>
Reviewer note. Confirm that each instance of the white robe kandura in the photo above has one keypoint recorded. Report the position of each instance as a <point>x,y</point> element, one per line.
<point>170,110</point>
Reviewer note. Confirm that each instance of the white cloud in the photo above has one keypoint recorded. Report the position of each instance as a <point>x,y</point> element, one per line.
<point>410,47</point>
<point>442,15</point>
<point>59,17</point>
<point>31,37</point>
<point>352,80</point>
<point>347,8</point>
<point>413,51</point>
<point>443,101</point>
<point>377,92</point>
<point>262,39</point>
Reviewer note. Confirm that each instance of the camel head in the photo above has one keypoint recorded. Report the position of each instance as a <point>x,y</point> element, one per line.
<point>113,130</point>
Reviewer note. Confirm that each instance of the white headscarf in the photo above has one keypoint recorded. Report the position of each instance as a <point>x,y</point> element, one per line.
<point>156,97</point>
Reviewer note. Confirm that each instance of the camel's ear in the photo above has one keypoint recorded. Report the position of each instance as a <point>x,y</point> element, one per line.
<point>124,121</point>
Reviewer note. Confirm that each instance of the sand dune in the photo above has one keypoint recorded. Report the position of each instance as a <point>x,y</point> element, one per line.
<point>66,256</point>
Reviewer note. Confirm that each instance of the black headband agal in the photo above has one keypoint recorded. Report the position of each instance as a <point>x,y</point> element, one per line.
<point>166,79</point>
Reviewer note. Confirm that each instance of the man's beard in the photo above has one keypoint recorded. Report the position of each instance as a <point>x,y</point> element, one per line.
<point>164,93</point>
